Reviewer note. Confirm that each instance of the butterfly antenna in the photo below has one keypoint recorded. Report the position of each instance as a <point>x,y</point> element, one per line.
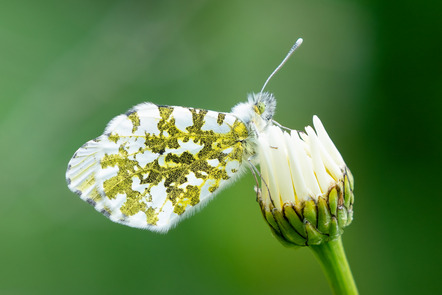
<point>294,47</point>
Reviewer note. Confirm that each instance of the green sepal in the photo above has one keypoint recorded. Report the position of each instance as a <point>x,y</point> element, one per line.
<point>287,230</point>
<point>281,239</point>
<point>335,230</point>
<point>340,186</point>
<point>294,220</point>
<point>347,192</point>
<point>342,216</point>
<point>351,179</point>
<point>310,212</point>
<point>324,216</point>
<point>298,209</point>
<point>333,201</point>
<point>271,221</point>
<point>350,215</point>
<point>314,237</point>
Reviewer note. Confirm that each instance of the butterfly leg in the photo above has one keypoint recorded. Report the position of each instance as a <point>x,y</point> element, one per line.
<point>256,172</point>
<point>280,126</point>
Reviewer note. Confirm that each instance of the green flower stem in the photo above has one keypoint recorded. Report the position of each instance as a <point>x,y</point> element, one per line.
<point>332,258</point>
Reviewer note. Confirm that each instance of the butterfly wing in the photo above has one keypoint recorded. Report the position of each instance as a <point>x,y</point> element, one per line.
<point>155,165</point>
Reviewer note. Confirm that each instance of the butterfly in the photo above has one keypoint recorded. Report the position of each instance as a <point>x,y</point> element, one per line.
<point>155,165</point>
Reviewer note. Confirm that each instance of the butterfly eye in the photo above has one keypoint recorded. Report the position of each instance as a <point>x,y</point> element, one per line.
<point>260,108</point>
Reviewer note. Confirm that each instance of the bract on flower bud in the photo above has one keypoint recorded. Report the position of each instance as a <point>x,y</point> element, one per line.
<point>306,194</point>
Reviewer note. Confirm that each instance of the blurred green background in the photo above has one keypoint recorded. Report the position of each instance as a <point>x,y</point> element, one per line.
<point>370,70</point>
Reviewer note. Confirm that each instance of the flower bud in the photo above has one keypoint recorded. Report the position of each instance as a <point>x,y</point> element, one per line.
<point>306,194</point>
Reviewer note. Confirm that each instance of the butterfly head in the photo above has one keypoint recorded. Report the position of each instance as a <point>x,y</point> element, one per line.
<point>263,104</point>
<point>257,111</point>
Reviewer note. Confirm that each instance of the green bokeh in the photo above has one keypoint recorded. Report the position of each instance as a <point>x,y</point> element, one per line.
<point>370,70</point>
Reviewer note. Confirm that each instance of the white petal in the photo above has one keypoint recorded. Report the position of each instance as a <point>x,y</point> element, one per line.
<point>281,166</point>
<point>321,173</point>
<point>269,188</point>
<point>327,142</point>
<point>310,187</point>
